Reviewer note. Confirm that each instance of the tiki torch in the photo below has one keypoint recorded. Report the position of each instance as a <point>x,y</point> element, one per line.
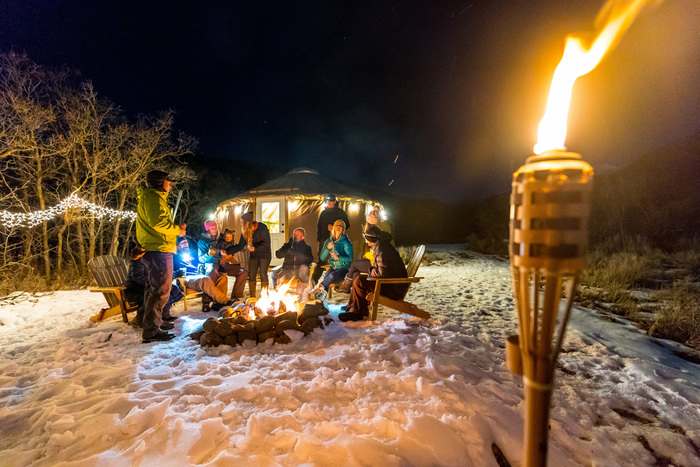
<point>548,239</point>
<point>549,210</point>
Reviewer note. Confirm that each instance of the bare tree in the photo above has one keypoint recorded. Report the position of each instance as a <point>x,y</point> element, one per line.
<point>59,137</point>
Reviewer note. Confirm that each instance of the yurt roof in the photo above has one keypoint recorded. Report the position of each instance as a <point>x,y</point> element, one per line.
<point>302,182</point>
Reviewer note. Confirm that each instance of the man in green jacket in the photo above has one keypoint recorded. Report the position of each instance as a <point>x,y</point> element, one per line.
<point>157,234</point>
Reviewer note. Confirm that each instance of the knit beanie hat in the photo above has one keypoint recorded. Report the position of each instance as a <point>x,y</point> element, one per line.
<point>372,233</point>
<point>248,216</point>
<point>209,224</point>
<point>330,198</point>
<point>156,179</point>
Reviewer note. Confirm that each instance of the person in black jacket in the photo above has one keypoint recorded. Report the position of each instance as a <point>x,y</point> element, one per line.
<point>387,263</point>
<point>256,236</point>
<point>229,264</point>
<point>136,278</point>
<point>297,260</point>
<point>323,230</point>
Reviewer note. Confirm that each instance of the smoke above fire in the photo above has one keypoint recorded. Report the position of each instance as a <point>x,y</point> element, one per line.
<point>580,57</point>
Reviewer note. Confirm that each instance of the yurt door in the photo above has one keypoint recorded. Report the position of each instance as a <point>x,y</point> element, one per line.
<point>273,212</point>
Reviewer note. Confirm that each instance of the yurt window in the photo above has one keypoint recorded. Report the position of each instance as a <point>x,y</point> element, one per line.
<point>271,216</point>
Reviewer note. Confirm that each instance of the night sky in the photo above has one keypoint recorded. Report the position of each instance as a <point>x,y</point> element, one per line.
<point>456,89</point>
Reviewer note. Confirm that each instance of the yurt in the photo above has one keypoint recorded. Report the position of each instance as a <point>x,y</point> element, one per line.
<point>295,200</point>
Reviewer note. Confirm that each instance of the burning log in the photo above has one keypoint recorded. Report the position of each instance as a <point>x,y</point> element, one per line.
<point>248,321</point>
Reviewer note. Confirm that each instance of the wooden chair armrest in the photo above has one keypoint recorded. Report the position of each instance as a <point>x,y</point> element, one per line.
<point>107,289</point>
<point>395,280</point>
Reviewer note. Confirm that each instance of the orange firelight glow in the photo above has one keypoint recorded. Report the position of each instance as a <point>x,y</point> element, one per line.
<point>270,300</point>
<point>577,60</point>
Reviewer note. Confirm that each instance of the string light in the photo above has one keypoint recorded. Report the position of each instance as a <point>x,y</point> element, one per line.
<point>32,219</point>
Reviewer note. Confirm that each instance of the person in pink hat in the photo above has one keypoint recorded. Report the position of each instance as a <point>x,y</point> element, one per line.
<point>209,259</point>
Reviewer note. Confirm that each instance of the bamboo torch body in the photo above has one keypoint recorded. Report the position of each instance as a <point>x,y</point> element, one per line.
<point>548,240</point>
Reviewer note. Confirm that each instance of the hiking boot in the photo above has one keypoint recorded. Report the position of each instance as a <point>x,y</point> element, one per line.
<point>343,288</point>
<point>137,322</point>
<point>167,326</point>
<point>169,318</point>
<point>350,316</point>
<point>159,336</point>
<point>206,307</point>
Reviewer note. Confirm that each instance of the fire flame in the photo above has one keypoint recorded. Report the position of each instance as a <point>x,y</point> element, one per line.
<point>270,301</point>
<point>577,60</point>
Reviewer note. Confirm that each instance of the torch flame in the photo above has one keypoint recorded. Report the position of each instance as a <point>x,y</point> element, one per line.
<point>577,60</point>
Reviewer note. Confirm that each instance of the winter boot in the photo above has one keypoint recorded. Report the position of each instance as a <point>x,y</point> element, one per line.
<point>350,315</point>
<point>251,289</point>
<point>345,287</point>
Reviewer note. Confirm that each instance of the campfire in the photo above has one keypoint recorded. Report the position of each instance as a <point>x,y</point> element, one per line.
<point>268,317</point>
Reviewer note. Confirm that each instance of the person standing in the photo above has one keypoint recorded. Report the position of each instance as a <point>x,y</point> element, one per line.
<point>256,236</point>
<point>387,263</point>
<point>209,259</point>
<point>157,234</point>
<point>323,230</point>
<point>136,280</point>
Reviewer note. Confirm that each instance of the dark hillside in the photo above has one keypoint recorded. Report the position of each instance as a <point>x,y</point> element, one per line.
<point>656,197</point>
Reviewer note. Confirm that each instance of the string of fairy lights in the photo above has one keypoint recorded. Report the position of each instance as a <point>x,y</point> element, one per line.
<point>34,218</point>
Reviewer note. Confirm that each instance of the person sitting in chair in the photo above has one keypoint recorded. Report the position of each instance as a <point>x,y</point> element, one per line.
<point>338,252</point>
<point>229,264</point>
<point>297,260</point>
<point>186,266</point>
<point>387,263</point>
<point>363,265</point>
<point>209,258</point>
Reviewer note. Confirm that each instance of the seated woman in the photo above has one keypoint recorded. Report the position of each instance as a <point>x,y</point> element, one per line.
<point>338,252</point>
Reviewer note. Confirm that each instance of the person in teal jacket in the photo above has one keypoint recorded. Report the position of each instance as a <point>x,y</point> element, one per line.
<point>157,234</point>
<point>338,252</point>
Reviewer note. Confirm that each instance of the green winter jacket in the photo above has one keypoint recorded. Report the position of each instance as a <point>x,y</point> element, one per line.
<point>155,229</point>
<point>343,248</point>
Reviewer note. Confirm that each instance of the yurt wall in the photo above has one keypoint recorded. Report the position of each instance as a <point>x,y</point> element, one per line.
<point>301,212</point>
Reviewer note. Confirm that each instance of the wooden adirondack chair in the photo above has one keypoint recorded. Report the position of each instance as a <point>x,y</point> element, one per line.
<point>189,294</point>
<point>400,305</point>
<point>110,274</point>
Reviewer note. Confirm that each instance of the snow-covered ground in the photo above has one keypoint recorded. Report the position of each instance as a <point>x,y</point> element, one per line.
<point>393,392</point>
